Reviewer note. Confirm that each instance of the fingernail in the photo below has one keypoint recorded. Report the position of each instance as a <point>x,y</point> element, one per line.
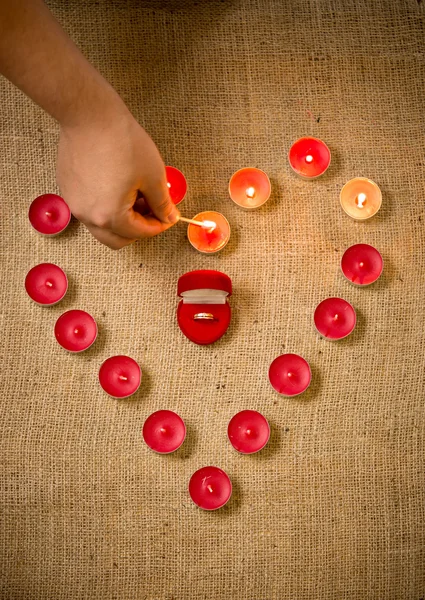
<point>173,216</point>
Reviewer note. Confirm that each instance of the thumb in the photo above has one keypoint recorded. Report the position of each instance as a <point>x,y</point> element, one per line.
<point>159,201</point>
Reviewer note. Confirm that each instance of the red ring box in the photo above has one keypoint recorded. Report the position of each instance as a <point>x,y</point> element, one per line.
<point>204,292</point>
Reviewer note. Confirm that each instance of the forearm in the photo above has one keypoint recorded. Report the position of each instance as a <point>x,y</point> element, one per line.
<point>39,58</point>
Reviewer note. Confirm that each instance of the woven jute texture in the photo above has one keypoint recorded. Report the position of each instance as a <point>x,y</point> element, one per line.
<point>333,508</point>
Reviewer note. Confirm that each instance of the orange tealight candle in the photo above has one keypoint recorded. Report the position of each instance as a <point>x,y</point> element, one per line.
<point>249,188</point>
<point>361,198</point>
<point>209,240</point>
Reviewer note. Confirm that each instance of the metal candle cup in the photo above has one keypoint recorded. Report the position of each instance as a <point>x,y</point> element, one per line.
<point>206,240</point>
<point>49,214</point>
<point>360,198</point>
<point>210,488</point>
<point>249,188</point>
<point>309,157</point>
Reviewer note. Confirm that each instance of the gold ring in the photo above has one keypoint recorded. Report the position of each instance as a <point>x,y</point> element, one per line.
<point>204,316</point>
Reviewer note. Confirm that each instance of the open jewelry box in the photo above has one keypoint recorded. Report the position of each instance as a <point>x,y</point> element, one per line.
<point>203,313</point>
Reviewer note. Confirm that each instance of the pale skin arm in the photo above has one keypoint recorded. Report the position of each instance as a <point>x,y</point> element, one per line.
<point>106,160</point>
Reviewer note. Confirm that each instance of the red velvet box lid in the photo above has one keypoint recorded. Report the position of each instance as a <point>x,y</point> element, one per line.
<point>204,279</point>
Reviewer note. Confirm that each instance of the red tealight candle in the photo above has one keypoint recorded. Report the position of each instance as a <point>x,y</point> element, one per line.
<point>177,184</point>
<point>75,330</point>
<point>290,374</point>
<point>362,264</point>
<point>249,188</point>
<point>120,376</point>
<point>46,284</point>
<point>49,214</point>
<point>208,240</point>
<point>248,431</point>
<point>210,488</point>
<point>164,431</point>
<point>334,318</point>
<point>309,157</point>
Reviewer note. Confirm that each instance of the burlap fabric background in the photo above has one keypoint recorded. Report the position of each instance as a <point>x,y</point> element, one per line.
<point>334,507</point>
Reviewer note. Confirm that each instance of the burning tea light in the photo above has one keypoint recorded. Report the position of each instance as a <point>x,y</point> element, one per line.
<point>290,374</point>
<point>249,188</point>
<point>210,488</point>
<point>176,183</point>
<point>248,431</point>
<point>49,214</point>
<point>334,318</point>
<point>362,264</point>
<point>164,431</point>
<point>361,198</point>
<point>120,376</point>
<point>76,330</point>
<point>209,239</point>
<point>46,284</point>
<point>309,157</point>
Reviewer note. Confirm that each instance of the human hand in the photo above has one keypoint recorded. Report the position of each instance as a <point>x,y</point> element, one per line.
<point>106,170</point>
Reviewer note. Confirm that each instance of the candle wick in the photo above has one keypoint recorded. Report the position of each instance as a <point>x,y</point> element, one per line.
<point>122,377</point>
<point>209,225</point>
<point>163,430</point>
<point>360,200</point>
<point>168,184</point>
<point>49,284</point>
<point>308,158</point>
<point>210,488</point>
<point>250,192</point>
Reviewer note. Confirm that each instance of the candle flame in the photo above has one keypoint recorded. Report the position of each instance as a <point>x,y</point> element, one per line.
<point>168,184</point>
<point>49,284</point>
<point>250,192</point>
<point>290,375</point>
<point>163,430</point>
<point>210,488</point>
<point>210,225</point>
<point>248,432</point>
<point>48,214</point>
<point>75,330</point>
<point>361,264</point>
<point>122,377</point>
<point>360,200</point>
<point>308,158</point>
<point>336,317</point>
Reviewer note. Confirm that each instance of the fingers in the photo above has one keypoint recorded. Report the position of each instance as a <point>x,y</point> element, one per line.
<point>114,241</point>
<point>134,225</point>
<point>157,197</point>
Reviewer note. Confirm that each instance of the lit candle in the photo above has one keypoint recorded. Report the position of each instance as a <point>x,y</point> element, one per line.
<point>361,198</point>
<point>362,264</point>
<point>290,374</point>
<point>309,157</point>
<point>49,214</point>
<point>211,240</point>
<point>176,183</point>
<point>164,431</point>
<point>204,313</point>
<point>248,431</point>
<point>334,318</point>
<point>120,376</point>
<point>210,488</point>
<point>76,330</point>
<point>249,188</point>
<point>46,284</point>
